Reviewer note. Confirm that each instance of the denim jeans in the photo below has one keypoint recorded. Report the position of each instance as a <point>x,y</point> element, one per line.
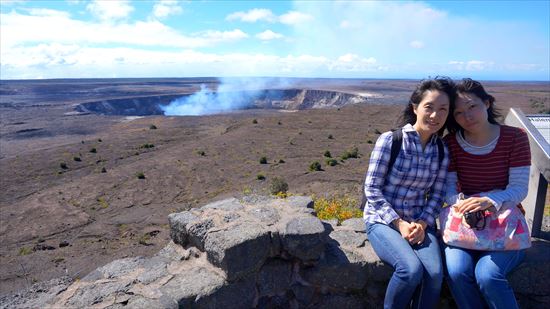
<point>418,272</point>
<point>478,278</point>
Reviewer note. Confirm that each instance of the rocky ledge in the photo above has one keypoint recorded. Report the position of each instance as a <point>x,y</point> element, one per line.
<point>257,252</point>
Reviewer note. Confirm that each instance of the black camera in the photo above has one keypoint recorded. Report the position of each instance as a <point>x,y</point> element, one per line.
<point>475,219</point>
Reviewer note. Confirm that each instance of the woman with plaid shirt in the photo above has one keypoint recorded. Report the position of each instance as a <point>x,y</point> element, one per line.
<point>403,202</point>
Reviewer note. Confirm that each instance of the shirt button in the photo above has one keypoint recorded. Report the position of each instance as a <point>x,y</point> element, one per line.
<point>421,160</point>
<point>405,203</point>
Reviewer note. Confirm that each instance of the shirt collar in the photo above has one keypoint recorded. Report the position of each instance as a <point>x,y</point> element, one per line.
<point>409,128</point>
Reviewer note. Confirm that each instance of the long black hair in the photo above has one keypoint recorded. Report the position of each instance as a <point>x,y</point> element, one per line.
<point>440,83</point>
<point>468,85</point>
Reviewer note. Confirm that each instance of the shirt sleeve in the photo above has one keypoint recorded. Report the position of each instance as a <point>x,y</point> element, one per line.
<point>374,182</point>
<point>516,190</point>
<point>437,192</point>
<point>518,177</point>
<point>451,192</point>
<point>451,182</point>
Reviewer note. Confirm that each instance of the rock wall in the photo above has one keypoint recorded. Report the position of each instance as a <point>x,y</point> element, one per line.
<point>258,252</point>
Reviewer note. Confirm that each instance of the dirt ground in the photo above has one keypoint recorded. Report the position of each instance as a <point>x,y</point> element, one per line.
<point>57,220</point>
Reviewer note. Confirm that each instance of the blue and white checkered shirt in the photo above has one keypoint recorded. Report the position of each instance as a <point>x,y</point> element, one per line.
<point>415,187</point>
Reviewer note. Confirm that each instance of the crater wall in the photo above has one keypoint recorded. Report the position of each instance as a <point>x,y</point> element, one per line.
<point>287,99</point>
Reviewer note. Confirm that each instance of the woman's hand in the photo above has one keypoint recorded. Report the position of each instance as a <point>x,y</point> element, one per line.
<point>405,228</point>
<point>473,203</point>
<point>416,237</point>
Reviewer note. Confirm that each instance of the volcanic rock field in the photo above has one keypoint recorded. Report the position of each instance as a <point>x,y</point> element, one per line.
<point>90,169</point>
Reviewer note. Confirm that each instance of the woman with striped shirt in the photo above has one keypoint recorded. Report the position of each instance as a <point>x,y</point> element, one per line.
<point>402,201</point>
<point>490,166</point>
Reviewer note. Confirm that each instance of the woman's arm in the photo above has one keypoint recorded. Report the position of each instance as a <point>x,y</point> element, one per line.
<point>451,192</point>
<point>436,193</point>
<point>374,182</point>
<point>518,173</point>
<point>516,190</point>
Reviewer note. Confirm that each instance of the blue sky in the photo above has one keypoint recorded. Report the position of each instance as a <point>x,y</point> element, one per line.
<point>490,40</point>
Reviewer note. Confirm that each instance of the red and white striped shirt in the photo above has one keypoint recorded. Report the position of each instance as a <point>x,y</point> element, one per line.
<point>482,173</point>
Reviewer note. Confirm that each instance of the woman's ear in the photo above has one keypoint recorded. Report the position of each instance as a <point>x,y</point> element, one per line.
<point>487,104</point>
<point>413,107</point>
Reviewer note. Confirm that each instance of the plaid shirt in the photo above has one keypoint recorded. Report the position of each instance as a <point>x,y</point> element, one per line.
<point>414,188</point>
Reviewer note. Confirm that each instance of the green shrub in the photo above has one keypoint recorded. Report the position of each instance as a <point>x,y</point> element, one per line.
<point>369,141</point>
<point>540,105</point>
<point>201,153</point>
<point>77,159</point>
<point>327,154</point>
<point>152,127</point>
<point>331,162</point>
<point>99,140</point>
<point>93,150</point>
<point>263,160</point>
<point>254,121</point>
<point>25,251</point>
<point>103,170</point>
<point>353,153</point>
<point>278,185</point>
<point>279,123</point>
<point>315,166</point>
<point>336,207</point>
<point>102,202</point>
<point>260,176</point>
<point>281,161</point>
<point>144,239</point>
<point>147,146</point>
<point>330,136</point>
<point>63,165</point>
<point>140,175</point>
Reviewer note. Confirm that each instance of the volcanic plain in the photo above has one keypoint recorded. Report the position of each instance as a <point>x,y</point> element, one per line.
<point>82,187</point>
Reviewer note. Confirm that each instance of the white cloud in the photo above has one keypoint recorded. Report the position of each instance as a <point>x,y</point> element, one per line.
<point>110,10</point>
<point>353,63</point>
<point>269,35</point>
<point>57,60</point>
<point>472,65</point>
<point>416,44</point>
<point>11,2</point>
<point>220,36</point>
<point>57,27</point>
<point>252,16</point>
<point>293,17</point>
<point>344,24</point>
<point>476,65</point>
<point>48,13</point>
<point>165,8</point>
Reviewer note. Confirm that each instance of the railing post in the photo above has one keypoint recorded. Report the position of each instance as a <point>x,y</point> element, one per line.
<point>540,169</point>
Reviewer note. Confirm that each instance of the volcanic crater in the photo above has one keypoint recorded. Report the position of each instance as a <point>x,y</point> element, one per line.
<point>280,99</point>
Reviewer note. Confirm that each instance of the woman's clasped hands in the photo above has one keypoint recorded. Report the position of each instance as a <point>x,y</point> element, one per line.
<point>414,232</point>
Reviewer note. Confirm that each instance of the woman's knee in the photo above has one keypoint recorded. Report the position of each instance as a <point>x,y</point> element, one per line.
<point>486,277</point>
<point>436,275</point>
<point>410,270</point>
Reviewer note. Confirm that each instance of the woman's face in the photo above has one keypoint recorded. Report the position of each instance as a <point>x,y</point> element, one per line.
<point>470,112</point>
<point>431,112</point>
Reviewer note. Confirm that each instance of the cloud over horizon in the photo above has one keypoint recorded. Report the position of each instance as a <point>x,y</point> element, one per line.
<point>301,38</point>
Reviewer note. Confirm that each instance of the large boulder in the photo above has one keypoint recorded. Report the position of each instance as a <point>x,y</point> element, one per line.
<point>257,252</point>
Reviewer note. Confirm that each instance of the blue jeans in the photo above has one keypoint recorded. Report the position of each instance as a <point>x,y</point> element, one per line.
<point>478,278</point>
<point>418,268</point>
